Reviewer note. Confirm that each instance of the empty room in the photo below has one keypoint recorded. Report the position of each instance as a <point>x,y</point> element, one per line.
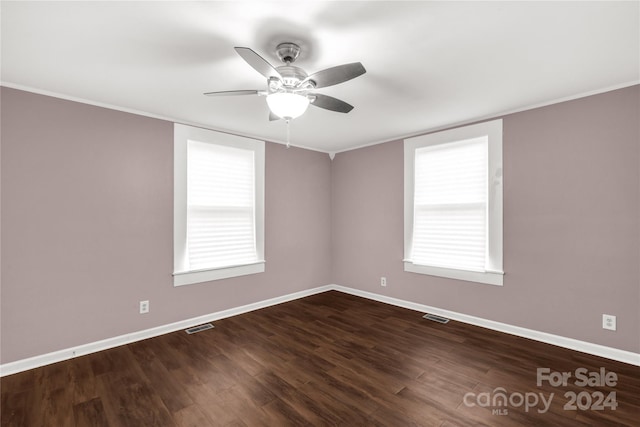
<point>322,213</point>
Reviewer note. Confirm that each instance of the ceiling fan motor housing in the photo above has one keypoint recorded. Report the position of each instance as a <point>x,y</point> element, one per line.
<point>291,75</point>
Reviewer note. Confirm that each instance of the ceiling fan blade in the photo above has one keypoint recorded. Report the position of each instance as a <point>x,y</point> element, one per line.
<point>233,92</point>
<point>258,62</point>
<point>330,103</point>
<point>335,75</point>
<point>273,117</point>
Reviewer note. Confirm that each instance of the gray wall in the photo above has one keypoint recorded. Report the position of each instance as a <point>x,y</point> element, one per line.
<point>87,220</point>
<point>87,225</point>
<point>571,223</point>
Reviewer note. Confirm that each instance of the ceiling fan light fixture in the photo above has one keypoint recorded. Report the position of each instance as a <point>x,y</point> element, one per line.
<point>287,105</point>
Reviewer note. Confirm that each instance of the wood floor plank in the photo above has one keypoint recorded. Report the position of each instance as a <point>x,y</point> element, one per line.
<point>205,398</point>
<point>82,380</point>
<point>50,399</point>
<point>328,359</point>
<point>90,413</point>
<point>281,414</point>
<point>245,408</point>
<point>191,416</point>
<point>129,399</point>
<point>173,396</point>
<point>241,358</point>
<point>306,406</point>
<point>15,407</point>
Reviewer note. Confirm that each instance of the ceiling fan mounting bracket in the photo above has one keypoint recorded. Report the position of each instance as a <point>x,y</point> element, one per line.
<point>288,52</point>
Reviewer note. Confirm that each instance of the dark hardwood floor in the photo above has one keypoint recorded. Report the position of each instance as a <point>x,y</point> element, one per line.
<point>329,359</point>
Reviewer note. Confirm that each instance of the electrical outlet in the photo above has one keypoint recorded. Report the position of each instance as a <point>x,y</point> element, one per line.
<point>609,322</point>
<point>383,281</point>
<point>144,307</point>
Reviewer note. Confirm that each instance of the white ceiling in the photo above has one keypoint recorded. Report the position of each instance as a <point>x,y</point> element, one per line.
<point>429,64</point>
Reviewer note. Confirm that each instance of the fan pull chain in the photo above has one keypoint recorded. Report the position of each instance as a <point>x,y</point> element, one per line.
<point>288,133</point>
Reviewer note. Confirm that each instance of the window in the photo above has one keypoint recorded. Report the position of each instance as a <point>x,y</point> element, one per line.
<point>453,203</point>
<point>218,205</point>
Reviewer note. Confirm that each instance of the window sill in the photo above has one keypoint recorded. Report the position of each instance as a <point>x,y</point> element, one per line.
<point>486,277</point>
<point>198,276</point>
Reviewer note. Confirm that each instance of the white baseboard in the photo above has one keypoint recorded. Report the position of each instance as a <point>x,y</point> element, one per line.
<point>81,350</point>
<point>570,343</point>
<point>69,353</point>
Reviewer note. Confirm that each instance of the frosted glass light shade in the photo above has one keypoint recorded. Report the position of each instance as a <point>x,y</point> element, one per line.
<point>287,105</point>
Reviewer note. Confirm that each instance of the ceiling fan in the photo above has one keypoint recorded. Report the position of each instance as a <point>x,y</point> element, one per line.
<point>290,90</point>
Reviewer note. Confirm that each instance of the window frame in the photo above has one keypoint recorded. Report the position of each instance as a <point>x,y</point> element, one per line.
<point>182,134</point>
<point>493,273</point>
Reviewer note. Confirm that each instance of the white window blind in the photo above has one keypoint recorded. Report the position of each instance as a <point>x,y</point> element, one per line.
<point>221,226</point>
<point>453,203</point>
<point>218,205</point>
<point>450,205</point>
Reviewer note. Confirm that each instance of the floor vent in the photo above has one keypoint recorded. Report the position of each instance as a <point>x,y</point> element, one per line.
<point>435,318</point>
<point>199,328</point>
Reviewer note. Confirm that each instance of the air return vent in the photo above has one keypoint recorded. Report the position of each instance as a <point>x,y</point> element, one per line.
<point>199,328</point>
<point>435,318</point>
